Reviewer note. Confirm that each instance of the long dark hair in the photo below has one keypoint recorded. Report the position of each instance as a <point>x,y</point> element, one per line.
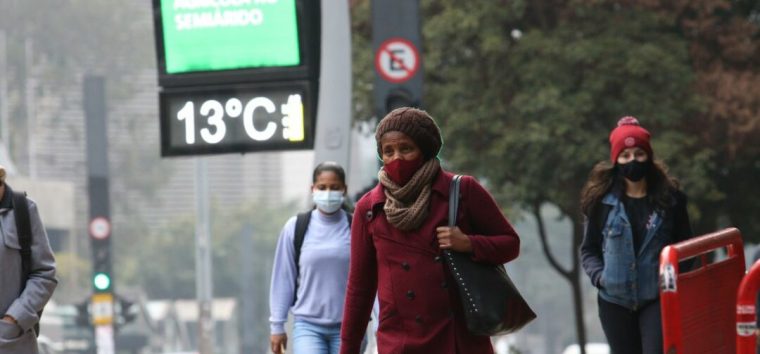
<point>604,177</point>
<point>330,166</point>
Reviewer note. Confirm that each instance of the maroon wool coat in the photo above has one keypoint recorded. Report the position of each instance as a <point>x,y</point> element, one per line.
<point>420,310</point>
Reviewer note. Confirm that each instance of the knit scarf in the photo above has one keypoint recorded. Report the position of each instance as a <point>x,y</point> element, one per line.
<point>407,206</point>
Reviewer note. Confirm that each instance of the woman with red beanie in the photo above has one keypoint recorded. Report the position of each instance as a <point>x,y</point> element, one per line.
<point>633,210</point>
<point>397,236</point>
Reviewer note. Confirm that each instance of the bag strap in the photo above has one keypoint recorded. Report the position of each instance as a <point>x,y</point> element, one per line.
<point>454,199</point>
<point>24,231</point>
<point>453,208</point>
<point>302,223</point>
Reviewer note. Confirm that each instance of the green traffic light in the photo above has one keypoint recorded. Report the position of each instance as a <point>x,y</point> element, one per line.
<point>102,281</point>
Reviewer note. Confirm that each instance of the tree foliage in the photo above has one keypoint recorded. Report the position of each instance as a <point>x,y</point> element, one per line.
<point>542,104</point>
<point>723,38</point>
<point>50,46</point>
<point>163,263</point>
<point>526,93</point>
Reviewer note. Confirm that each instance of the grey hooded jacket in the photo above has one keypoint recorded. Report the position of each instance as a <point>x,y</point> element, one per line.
<point>20,338</point>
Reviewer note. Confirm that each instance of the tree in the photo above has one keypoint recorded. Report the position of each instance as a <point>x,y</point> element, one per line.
<point>542,90</point>
<point>724,47</point>
<point>527,91</point>
<point>55,42</point>
<point>162,264</point>
<point>48,52</point>
<point>171,251</point>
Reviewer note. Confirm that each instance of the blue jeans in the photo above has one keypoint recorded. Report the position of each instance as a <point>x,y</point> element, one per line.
<point>310,338</point>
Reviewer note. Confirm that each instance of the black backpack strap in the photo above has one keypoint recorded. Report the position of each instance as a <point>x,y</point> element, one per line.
<point>302,223</point>
<point>24,232</point>
<point>349,216</point>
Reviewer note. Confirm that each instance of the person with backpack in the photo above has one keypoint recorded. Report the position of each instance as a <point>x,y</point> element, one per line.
<point>311,269</point>
<point>27,279</point>
<point>633,210</point>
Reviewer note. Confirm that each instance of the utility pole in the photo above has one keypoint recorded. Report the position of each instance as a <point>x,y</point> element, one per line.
<point>203,278</point>
<point>4,131</point>
<point>248,285</point>
<point>334,108</point>
<point>31,111</point>
<point>100,213</point>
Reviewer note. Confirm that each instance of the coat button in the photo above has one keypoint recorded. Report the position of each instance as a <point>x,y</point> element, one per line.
<point>410,295</point>
<point>405,265</point>
<point>438,259</point>
<point>418,319</point>
<point>444,284</point>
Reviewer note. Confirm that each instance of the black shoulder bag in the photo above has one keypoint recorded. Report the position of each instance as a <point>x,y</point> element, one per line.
<point>492,305</point>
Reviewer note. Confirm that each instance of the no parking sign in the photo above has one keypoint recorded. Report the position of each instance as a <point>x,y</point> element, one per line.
<point>397,60</point>
<point>100,228</point>
<point>397,42</point>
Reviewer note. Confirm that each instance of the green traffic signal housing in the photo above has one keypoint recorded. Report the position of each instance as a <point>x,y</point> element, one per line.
<point>101,281</point>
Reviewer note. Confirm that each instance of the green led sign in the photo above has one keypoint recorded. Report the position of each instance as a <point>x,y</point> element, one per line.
<point>213,35</point>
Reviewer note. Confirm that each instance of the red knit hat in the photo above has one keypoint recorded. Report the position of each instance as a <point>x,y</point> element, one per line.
<point>627,134</point>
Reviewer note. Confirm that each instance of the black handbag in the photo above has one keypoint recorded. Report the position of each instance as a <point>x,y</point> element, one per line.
<point>492,305</point>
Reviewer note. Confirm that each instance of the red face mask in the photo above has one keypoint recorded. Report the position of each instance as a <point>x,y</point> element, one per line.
<point>401,171</point>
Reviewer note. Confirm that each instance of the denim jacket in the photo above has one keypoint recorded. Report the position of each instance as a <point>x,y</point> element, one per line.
<point>629,279</point>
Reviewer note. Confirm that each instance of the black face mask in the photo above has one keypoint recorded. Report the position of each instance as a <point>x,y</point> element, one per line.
<point>634,170</point>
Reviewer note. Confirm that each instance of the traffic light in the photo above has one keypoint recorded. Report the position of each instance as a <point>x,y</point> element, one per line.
<point>83,313</point>
<point>400,97</point>
<point>126,311</point>
<point>101,267</point>
<point>101,282</point>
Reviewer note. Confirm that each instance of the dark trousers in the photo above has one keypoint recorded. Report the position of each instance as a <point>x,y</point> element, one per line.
<point>632,332</point>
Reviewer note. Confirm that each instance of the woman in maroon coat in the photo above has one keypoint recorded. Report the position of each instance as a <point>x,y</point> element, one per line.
<point>397,237</point>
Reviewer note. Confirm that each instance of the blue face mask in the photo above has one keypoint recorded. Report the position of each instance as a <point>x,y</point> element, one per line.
<point>328,201</point>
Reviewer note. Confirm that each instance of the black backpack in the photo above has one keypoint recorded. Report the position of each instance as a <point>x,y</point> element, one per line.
<point>302,223</point>
<point>24,232</point>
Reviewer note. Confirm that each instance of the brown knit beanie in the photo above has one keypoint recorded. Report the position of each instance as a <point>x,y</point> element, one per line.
<point>415,123</point>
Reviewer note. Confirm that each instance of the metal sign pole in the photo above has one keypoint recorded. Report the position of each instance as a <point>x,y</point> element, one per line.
<point>100,212</point>
<point>203,259</point>
<point>334,108</point>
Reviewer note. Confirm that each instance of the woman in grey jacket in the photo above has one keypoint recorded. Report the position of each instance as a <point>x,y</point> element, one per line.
<point>633,209</point>
<point>22,296</point>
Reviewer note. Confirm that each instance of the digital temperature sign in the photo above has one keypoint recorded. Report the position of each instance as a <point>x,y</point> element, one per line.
<point>240,118</point>
<point>237,76</point>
